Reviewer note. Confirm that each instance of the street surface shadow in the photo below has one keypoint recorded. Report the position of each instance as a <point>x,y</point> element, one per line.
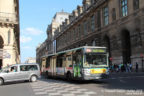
<point>112,84</point>
<point>124,84</point>
<point>15,82</point>
<point>78,82</point>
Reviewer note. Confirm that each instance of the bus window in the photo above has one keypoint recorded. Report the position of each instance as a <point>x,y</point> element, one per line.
<point>59,61</point>
<point>93,60</point>
<point>74,59</point>
<point>47,62</point>
<point>69,61</point>
<point>64,62</point>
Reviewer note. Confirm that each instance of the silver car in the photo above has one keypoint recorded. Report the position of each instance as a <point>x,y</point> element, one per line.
<point>20,72</point>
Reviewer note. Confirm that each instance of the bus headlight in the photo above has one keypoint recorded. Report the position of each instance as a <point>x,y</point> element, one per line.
<point>104,70</point>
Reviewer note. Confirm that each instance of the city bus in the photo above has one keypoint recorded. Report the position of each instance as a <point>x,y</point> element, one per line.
<point>84,63</point>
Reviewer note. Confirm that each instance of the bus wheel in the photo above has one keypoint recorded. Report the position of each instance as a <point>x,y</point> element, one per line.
<point>46,75</point>
<point>69,78</point>
<point>1,81</point>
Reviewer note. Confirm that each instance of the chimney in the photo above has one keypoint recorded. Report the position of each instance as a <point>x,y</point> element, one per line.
<point>80,9</point>
<point>86,4</point>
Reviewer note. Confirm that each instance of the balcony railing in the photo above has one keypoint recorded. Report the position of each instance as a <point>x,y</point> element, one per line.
<point>8,17</point>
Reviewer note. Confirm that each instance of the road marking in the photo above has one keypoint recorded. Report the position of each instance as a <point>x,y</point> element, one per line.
<point>59,88</point>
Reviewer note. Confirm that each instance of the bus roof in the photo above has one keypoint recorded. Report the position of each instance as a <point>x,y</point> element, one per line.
<point>74,49</point>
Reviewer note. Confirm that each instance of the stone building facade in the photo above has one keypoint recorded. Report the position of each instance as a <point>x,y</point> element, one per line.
<point>116,24</point>
<point>58,19</point>
<point>49,45</point>
<point>9,32</point>
<point>30,60</point>
<point>41,51</point>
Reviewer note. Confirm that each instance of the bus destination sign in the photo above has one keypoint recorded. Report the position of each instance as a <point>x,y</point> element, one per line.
<point>88,50</point>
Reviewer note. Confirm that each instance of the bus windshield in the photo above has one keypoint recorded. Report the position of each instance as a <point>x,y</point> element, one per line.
<point>94,60</point>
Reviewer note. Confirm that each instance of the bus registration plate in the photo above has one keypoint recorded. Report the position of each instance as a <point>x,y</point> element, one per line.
<point>95,71</point>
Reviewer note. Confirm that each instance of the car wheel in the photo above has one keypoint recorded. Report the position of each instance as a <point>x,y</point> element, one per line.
<point>1,81</point>
<point>33,78</point>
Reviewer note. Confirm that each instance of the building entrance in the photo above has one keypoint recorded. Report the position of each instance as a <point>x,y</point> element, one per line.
<point>126,47</point>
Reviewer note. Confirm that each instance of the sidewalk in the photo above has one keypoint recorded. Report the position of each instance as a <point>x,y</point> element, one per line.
<point>126,72</point>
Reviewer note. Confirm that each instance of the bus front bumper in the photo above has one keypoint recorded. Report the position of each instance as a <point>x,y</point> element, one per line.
<point>96,76</point>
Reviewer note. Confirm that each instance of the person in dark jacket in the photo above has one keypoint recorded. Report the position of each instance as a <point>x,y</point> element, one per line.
<point>136,67</point>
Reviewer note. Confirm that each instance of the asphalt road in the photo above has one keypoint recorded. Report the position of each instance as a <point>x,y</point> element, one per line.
<point>116,85</point>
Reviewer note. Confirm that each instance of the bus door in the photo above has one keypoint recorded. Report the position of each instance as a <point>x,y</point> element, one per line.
<point>77,64</point>
<point>54,66</point>
<point>51,66</point>
<point>43,65</point>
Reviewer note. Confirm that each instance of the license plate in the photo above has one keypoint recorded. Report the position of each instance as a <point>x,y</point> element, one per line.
<point>94,71</point>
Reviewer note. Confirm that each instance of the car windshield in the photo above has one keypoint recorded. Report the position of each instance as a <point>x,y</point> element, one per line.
<point>5,69</point>
<point>94,60</point>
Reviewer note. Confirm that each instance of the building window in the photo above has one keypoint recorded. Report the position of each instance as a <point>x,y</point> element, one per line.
<point>105,15</point>
<point>74,34</point>
<point>9,36</point>
<point>92,23</point>
<point>70,36</point>
<point>85,27</point>
<point>92,1</point>
<point>113,14</point>
<point>79,30</point>
<point>98,18</point>
<point>136,4</point>
<point>124,7</point>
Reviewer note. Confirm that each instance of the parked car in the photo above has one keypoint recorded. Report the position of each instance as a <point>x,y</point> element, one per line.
<point>20,72</point>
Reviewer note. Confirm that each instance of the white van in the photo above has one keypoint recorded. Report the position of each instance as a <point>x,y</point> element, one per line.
<point>20,72</point>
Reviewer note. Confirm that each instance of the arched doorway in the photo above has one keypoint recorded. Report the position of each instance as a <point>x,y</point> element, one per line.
<point>107,44</point>
<point>1,52</point>
<point>126,46</point>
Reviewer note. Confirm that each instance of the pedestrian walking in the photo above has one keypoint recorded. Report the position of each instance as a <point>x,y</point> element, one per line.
<point>136,67</point>
<point>119,67</point>
<point>130,65</point>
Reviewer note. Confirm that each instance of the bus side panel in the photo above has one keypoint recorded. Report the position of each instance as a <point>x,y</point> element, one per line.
<point>60,71</point>
<point>51,66</point>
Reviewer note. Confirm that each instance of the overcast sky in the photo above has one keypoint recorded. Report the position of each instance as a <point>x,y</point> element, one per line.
<point>35,16</point>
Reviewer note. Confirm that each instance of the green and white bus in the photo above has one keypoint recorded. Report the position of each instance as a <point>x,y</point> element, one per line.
<point>84,63</point>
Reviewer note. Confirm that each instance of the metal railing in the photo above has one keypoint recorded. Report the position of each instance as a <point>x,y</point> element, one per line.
<point>8,17</point>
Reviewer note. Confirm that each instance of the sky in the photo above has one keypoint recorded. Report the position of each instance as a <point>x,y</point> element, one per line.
<point>35,16</point>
